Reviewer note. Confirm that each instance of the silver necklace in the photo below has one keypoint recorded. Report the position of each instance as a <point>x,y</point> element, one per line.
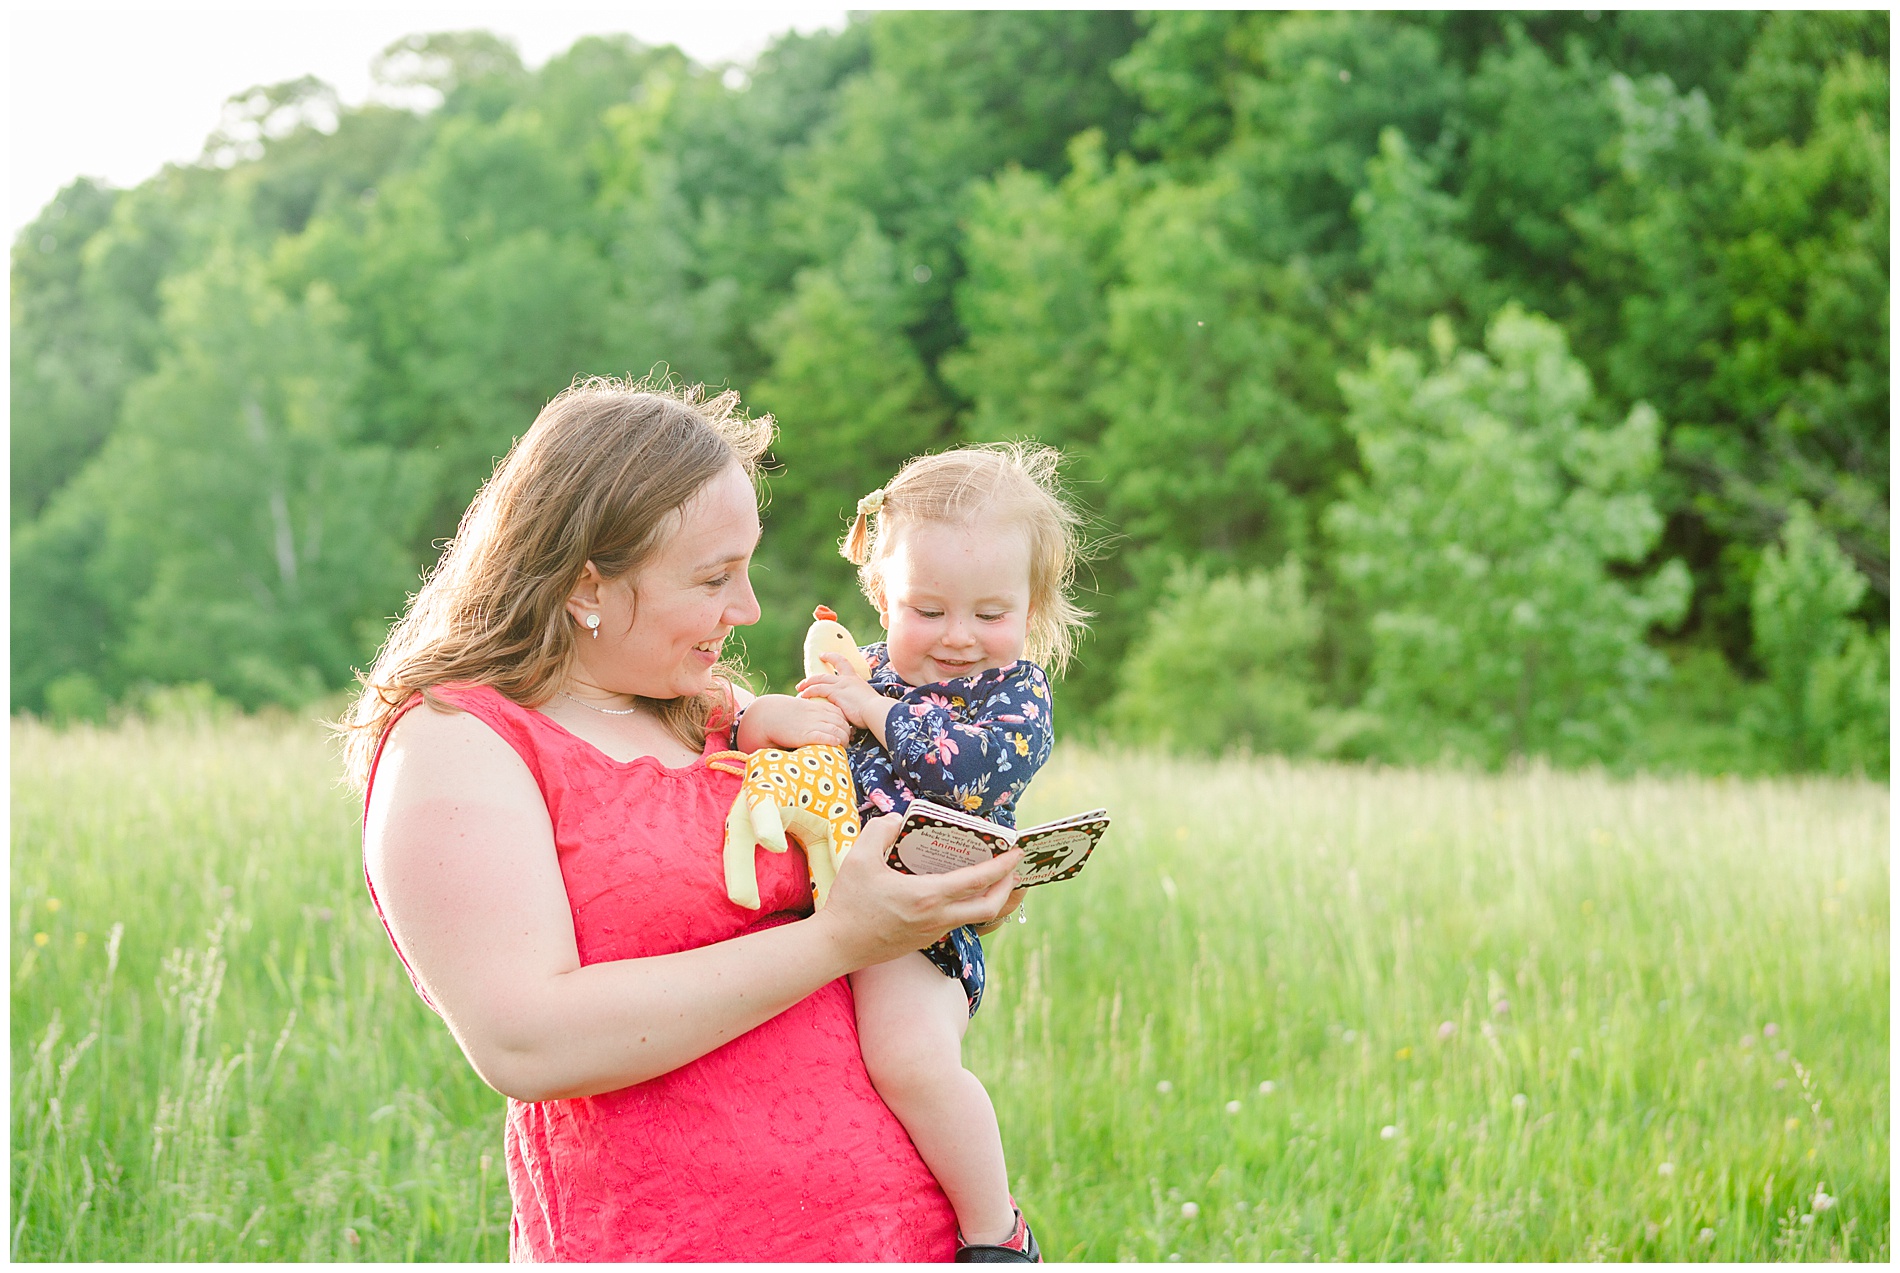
<point>604,711</point>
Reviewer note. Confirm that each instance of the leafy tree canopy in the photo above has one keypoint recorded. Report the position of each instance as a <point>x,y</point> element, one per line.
<point>1525,373</point>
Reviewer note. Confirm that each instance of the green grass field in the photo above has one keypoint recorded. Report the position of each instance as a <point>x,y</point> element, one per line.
<point>1289,1012</point>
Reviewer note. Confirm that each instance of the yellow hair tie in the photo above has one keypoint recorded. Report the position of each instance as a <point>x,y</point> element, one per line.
<point>872,503</point>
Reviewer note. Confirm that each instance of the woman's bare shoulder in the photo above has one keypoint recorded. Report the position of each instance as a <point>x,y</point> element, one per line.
<point>434,751</point>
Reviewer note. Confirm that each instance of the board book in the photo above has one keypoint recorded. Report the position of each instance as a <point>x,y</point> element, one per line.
<point>936,838</point>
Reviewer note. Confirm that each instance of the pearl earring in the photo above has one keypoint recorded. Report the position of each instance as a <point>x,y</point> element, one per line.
<point>593,625</point>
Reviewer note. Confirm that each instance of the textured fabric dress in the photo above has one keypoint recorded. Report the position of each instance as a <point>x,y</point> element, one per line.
<point>773,1147</point>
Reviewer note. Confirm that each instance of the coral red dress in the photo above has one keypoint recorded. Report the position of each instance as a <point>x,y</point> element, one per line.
<point>774,1146</point>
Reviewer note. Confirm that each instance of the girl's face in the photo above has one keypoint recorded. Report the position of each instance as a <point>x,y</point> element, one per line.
<point>661,630</point>
<point>956,598</point>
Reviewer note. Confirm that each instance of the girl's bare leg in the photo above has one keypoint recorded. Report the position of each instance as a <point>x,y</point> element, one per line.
<point>911,1020</point>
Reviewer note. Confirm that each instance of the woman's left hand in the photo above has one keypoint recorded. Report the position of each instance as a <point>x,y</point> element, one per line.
<point>874,913</point>
<point>1009,908</point>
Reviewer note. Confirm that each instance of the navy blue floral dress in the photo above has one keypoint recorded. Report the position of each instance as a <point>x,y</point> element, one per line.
<point>972,743</point>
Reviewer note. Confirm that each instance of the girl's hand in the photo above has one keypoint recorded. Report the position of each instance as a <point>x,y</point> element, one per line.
<point>876,914</point>
<point>861,705</point>
<point>778,720</point>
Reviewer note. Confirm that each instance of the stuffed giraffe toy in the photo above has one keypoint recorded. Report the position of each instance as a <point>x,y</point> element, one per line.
<point>806,793</point>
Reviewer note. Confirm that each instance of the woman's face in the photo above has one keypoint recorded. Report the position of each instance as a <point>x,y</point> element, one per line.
<point>662,628</point>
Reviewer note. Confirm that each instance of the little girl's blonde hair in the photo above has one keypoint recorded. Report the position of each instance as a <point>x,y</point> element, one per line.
<point>1009,482</point>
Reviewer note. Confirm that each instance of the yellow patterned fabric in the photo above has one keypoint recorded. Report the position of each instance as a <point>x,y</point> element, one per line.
<point>806,794</point>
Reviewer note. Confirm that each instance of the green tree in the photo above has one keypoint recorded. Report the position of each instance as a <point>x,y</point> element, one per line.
<point>1746,261</point>
<point>60,625</point>
<point>1480,542</point>
<point>1539,129</point>
<point>853,401</point>
<point>1223,662</point>
<point>84,314</point>
<point>1215,427</point>
<point>1041,258</point>
<point>85,326</point>
<point>1411,243</point>
<point>1153,240</point>
<point>1825,701</point>
<point>249,539</point>
<point>65,380</point>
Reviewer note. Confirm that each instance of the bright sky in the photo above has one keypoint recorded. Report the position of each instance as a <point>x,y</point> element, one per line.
<point>118,91</point>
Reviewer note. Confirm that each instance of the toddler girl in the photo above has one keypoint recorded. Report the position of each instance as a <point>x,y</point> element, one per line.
<point>968,557</point>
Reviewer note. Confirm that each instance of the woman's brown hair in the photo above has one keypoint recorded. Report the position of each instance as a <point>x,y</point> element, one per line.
<point>596,478</point>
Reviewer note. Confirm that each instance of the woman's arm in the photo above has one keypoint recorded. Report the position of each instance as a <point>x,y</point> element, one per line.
<point>461,852</point>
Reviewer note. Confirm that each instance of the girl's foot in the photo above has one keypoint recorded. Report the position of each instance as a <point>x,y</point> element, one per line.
<point>1018,1248</point>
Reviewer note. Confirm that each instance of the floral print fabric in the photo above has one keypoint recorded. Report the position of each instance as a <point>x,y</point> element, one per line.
<point>972,743</point>
<point>958,955</point>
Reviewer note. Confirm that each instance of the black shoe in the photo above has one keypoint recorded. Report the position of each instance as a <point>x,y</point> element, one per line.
<point>1021,1248</point>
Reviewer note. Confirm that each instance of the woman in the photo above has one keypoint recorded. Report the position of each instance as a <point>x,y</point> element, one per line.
<point>543,842</point>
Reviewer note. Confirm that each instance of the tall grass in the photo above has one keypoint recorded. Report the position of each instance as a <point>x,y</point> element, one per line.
<point>216,1054</point>
<point>1535,1016</point>
<point>1288,1012</point>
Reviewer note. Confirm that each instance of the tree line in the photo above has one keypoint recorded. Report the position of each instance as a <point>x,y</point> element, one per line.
<point>1440,386</point>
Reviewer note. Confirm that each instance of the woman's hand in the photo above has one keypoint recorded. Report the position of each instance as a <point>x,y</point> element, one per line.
<point>1009,908</point>
<point>861,705</point>
<point>778,720</point>
<point>875,914</point>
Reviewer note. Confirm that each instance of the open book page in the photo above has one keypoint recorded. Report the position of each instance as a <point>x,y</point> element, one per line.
<point>1055,852</point>
<point>936,839</point>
